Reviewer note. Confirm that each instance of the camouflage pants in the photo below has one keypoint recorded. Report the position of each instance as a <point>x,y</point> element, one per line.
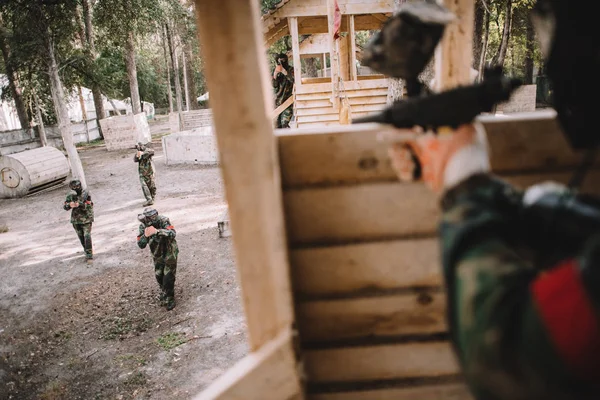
<point>165,276</point>
<point>84,232</point>
<point>148,186</point>
<point>283,120</point>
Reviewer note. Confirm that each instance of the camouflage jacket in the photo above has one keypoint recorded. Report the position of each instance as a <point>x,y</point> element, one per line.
<point>163,245</point>
<point>84,214</point>
<point>522,329</point>
<point>283,86</point>
<point>145,166</point>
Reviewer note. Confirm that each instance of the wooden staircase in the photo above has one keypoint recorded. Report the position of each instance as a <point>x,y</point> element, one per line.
<point>314,108</point>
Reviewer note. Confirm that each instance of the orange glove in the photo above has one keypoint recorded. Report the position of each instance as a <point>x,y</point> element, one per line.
<point>434,153</point>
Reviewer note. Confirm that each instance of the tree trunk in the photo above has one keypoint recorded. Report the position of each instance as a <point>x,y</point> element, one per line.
<point>62,114</point>
<point>191,88</point>
<point>40,121</point>
<point>136,106</point>
<point>395,86</point>
<point>168,65</point>
<point>89,27</point>
<point>91,47</point>
<point>175,66</point>
<point>501,54</point>
<point>486,37</point>
<point>529,49</point>
<point>477,35</point>
<point>13,80</point>
<point>185,82</point>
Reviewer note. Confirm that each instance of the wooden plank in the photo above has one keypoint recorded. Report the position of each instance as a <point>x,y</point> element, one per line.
<point>293,24</point>
<point>375,317</point>
<point>360,213</point>
<point>349,86</point>
<point>380,362</point>
<point>334,56</point>
<point>369,100</point>
<point>269,373</point>
<point>303,104</point>
<point>379,211</point>
<point>366,267</point>
<point>302,112</point>
<point>352,34</point>
<point>367,22</point>
<point>251,178</point>
<point>454,55</point>
<point>351,154</point>
<point>319,118</point>
<point>282,107</point>
<point>452,391</point>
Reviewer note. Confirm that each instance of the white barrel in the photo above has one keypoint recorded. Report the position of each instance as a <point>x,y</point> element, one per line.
<point>32,170</point>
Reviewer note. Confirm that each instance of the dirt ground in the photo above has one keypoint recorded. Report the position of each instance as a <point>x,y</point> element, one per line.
<point>69,330</point>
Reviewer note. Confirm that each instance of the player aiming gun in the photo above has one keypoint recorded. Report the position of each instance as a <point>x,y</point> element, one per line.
<point>519,266</point>
<point>143,157</point>
<point>403,48</point>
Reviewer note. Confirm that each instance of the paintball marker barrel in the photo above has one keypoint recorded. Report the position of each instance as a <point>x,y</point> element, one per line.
<point>451,108</point>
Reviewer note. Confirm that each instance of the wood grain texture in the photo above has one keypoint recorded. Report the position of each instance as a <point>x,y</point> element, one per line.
<point>366,267</point>
<point>229,34</point>
<point>404,314</point>
<point>355,364</point>
<point>454,391</point>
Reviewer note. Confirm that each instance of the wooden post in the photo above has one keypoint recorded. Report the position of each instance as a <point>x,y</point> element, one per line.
<point>352,33</point>
<point>230,35</point>
<point>333,56</point>
<point>324,65</point>
<point>454,55</point>
<point>293,24</point>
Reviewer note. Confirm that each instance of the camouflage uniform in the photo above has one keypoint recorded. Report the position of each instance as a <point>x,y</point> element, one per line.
<point>284,87</point>
<point>523,295</point>
<point>163,247</point>
<point>82,218</point>
<point>146,172</point>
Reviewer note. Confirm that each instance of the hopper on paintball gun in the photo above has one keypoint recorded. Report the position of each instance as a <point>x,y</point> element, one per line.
<point>403,48</point>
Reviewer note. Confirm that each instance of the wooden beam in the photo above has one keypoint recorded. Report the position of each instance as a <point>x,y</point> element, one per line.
<point>269,373</point>
<point>352,33</point>
<point>454,55</point>
<point>293,24</point>
<point>449,391</point>
<point>283,106</point>
<point>229,34</point>
<point>333,56</point>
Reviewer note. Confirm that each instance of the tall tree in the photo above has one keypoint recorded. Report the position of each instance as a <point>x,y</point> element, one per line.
<point>478,33</point>
<point>168,68</point>
<point>41,29</point>
<point>500,56</point>
<point>12,76</point>
<point>91,52</point>
<point>124,20</point>
<point>175,66</point>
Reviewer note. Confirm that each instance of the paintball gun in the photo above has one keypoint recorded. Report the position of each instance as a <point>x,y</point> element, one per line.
<point>403,48</point>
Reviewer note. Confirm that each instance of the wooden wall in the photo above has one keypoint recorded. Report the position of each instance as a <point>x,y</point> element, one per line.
<point>365,261</point>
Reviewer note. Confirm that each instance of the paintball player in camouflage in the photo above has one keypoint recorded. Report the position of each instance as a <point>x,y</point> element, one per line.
<point>156,230</point>
<point>143,157</point>
<point>520,266</point>
<point>80,203</point>
<point>283,85</point>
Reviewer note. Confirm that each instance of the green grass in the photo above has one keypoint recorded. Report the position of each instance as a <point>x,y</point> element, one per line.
<point>171,340</point>
<point>118,327</point>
